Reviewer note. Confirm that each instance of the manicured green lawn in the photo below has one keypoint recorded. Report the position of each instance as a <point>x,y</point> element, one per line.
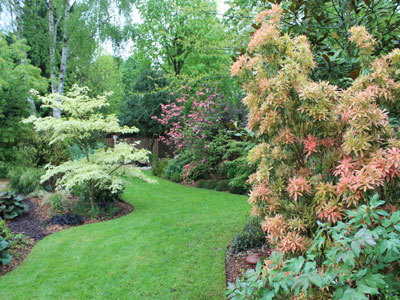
<point>170,247</point>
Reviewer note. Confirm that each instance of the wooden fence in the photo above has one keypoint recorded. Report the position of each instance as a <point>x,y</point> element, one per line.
<point>154,145</point>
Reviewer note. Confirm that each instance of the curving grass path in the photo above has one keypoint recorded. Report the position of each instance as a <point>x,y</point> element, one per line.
<point>170,247</point>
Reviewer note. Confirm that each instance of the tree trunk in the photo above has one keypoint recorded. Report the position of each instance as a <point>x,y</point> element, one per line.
<point>348,22</point>
<point>91,196</point>
<point>52,48</point>
<point>18,18</point>
<point>64,55</point>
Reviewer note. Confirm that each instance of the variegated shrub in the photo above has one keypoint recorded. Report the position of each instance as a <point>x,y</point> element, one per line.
<point>321,149</point>
<point>82,124</point>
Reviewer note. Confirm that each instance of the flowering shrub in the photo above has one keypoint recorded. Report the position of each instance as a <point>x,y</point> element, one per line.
<point>190,118</point>
<point>321,150</point>
<point>193,124</point>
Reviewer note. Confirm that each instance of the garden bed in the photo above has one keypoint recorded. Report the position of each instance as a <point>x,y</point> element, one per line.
<point>236,265</point>
<point>32,225</point>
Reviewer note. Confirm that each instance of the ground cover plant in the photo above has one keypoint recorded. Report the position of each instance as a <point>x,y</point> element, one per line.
<point>322,151</point>
<point>5,257</point>
<point>162,250</point>
<point>11,205</point>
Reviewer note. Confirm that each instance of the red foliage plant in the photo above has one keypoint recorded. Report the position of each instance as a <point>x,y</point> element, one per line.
<point>322,149</point>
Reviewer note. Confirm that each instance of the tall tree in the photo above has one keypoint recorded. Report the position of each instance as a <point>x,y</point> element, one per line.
<point>17,77</point>
<point>73,29</point>
<point>175,32</point>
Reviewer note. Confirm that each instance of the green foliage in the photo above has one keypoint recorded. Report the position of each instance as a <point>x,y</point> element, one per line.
<point>209,184</point>
<point>136,64</point>
<point>326,24</point>
<point>159,166</point>
<point>143,99</point>
<point>76,152</point>
<point>5,257</point>
<point>35,28</point>
<point>223,186</point>
<point>355,259</point>
<point>81,124</point>
<point>11,205</point>
<point>237,166</point>
<point>189,41</point>
<point>104,75</point>
<point>24,180</point>
<point>250,237</point>
<point>17,77</point>
<point>103,208</point>
<point>58,201</point>
<point>174,168</point>
<point>37,152</point>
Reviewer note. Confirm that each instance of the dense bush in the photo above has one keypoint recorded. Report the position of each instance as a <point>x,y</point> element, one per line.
<point>5,257</point>
<point>238,171</point>
<point>144,98</point>
<point>100,210</point>
<point>158,166</point>
<point>355,259</point>
<point>209,184</point>
<point>223,186</point>
<point>320,151</point>
<point>25,180</point>
<point>69,219</point>
<point>11,205</point>
<point>100,195</point>
<point>173,169</point>
<point>17,77</point>
<point>250,237</point>
<point>38,152</point>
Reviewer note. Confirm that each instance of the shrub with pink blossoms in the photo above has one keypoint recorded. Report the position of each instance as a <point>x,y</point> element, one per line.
<point>193,120</point>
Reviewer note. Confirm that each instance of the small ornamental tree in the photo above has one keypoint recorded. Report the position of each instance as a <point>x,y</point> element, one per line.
<point>321,149</point>
<point>193,122</point>
<point>81,124</point>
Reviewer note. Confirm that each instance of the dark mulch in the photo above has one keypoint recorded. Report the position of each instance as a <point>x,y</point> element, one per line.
<point>236,265</point>
<point>32,225</point>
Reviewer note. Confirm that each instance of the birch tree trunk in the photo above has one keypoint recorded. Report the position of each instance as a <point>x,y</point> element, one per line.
<point>17,9</point>
<point>64,55</point>
<point>52,48</point>
<point>58,87</point>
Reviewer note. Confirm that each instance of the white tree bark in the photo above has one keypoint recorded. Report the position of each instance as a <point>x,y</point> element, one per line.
<point>52,48</point>
<point>64,54</point>
<point>18,18</point>
<point>58,87</point>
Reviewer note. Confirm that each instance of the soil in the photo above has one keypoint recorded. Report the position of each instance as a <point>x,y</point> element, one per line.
<point>32,225</point>
<point>236,265</point>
